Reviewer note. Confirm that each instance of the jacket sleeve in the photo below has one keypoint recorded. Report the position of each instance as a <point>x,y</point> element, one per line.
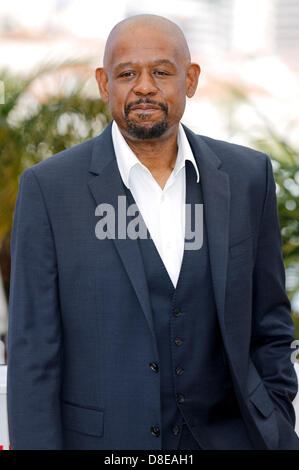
<point>34,330</point>
<point>272,327</point>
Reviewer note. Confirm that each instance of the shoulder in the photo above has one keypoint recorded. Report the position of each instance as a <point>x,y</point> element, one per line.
<point>245,166</point>
<point>248,169</point>
<point>230,152</point>
<point>225,153</point>
<point>72,159</point>
<point>237,160</point>
<point>72,164</point>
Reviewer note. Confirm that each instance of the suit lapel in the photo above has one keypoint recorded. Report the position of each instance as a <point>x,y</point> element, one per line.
<point>106,186</point>
<point>216,196</point>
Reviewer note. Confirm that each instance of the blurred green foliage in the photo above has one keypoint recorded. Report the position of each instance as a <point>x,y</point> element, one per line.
<point>296,323</point>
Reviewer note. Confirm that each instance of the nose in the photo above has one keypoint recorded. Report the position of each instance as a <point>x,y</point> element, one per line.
<point>145,84</point>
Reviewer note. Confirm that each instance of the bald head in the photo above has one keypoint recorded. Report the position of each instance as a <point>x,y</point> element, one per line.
<point>154,24</point>
<point>146,77</point>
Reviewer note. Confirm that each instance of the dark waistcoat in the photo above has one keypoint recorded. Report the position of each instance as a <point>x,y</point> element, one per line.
<point>196,386</point>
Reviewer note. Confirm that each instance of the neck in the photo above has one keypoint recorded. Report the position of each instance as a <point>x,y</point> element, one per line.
<point>158,155</point>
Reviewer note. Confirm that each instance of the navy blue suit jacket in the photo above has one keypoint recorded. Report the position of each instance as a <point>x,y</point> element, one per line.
<point>81,332</point>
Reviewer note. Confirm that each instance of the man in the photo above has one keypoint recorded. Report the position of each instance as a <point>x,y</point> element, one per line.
<point>118,342</point>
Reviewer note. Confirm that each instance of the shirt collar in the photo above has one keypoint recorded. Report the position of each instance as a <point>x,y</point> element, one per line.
<point>126,158</point>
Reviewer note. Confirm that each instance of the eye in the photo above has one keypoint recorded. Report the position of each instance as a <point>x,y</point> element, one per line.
<point>127,74</point>
<point>161,72</point>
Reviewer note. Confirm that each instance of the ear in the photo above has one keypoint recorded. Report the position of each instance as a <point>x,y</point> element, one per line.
<point>193,73</point>
<point>102,80</point>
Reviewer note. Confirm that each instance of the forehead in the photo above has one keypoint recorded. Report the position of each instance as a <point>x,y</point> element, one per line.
<point>142,45</point>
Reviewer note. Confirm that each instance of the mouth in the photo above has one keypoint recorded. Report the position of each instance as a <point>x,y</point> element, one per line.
<point>145,107</point>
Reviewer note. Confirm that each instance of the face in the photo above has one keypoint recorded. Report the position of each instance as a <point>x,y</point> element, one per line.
<point>145,81</point>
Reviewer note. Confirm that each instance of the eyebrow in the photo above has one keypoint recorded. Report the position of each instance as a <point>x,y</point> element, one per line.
<point>157,61</point>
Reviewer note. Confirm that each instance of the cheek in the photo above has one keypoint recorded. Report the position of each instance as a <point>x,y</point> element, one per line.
<point>115,105</point>
<point>176,96</point>
<point>117,99</point>
<point>177,103</point>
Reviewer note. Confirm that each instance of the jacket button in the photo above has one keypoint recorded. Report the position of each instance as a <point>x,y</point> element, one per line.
<point>180,398</point>
<point>154,366</point>
<point>178,341</point>
<point>176,312</point>
<point>155,430</point>
<point>179,370</point>
<point>175,430</point>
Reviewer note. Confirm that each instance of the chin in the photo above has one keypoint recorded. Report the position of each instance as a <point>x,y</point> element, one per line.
<point>143,131</point>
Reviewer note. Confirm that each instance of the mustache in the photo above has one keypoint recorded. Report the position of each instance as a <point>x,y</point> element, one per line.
<point>163,106</point>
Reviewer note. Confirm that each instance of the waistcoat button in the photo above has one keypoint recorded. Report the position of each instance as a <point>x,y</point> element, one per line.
<point>178,341</point>
<point>154,366</point>
<point>155,430</point>
<point>175,430</point>
<point>179,370</point>
<point>176,312</point>
<point>180,398</point>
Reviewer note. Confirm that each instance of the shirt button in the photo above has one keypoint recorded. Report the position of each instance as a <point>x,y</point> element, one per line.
<point>176,312</point>
<point>154,366</point>
<point>155,430</point>
<point>175,430</point>
<point>179,370</point>
<point>178,341</point>
<point>180,398</point>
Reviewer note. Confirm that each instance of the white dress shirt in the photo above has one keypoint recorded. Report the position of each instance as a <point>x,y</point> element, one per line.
<point>163,210</point>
